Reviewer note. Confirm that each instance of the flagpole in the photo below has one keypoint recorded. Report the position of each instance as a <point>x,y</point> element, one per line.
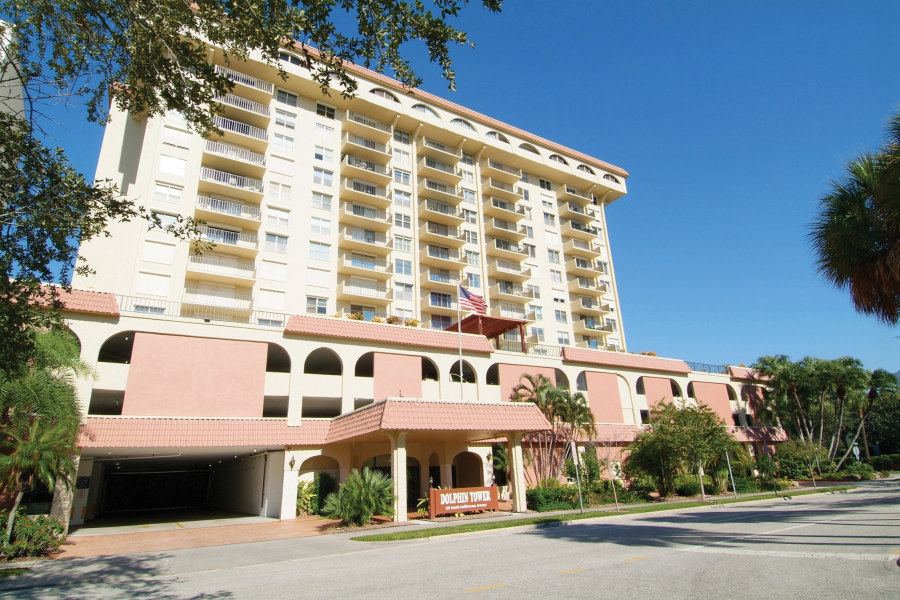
<point>459,336</point>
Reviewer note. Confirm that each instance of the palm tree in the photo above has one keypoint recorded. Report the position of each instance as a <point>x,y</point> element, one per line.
<point>42,454</point>
<point>784,380</point>
<point>856,236</point>
<point>881,383</point>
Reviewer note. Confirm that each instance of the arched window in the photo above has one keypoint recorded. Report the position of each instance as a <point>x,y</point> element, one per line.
<point>425,110</point>
<point>561,380</point>
<point>365,366</point>
<point>586,169</point>
<point>676,391</point>
<point>290,58</point>
<point>731,395</point>
<point>468,372</point>
<point>429,369</point>
<point>639,386</point>
<point>117,349</point>
<point>529,148</point>
<point>559,159</point>
<point>492,377</point>
<point>384,94</point>
<point>612,178</point>
<point>277,359</point>
<point>496,135</point>
<point>323,361</point>
<point>462,124</point>
<point>691,393</point>
<point>581,382</point>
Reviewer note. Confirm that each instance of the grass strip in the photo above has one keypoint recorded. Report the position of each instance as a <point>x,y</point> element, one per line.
<point>12,571</point>
<point>590,514</point>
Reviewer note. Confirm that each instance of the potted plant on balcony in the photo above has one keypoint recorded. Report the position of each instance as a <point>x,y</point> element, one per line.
<point>357,316</point>
<point>411,322</point>
<point>395,320</point>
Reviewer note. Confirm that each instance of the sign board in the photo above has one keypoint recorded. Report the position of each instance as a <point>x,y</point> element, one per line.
<point>460,500</point>
<point>82,483</point>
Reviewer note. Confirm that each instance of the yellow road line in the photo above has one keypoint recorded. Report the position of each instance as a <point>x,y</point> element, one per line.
<point>895,552</point>
<point>179,524</point>
<point>636,558</point>
<point>570,571</point>
<point>487,587</point>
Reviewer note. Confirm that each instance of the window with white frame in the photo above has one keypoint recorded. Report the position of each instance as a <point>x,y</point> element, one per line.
<point>549,219</point>
<point>538,312</point>
<point>286,98</point>
<point>158,252</point>
<point>468,159</point>
<point>166,221</point>
<point>320,200</point>
<point>468,177</point>
<point>285,119</point>
<point>280,192</point>
<point>320,226</point>
<point>531,249</point>
<point>401,158</point>
<point>316,305</point>
<point>401,136</point>
<point>441,322</point>
<point>402,267</point>
<point>403,221</point>
<point>402,244</point>
<point>535,291</point>
<point>283,141</point>
<point>468,196</point>
<point>170,194</point>
<point>545,185</point>
<point>471,237</point>
<point>403,291</point>
<point>473,258</point>
<point>470,216</point>
<point>323,154</point>
<point>562,338</point>
<point>401,177</point>
<point>322,177</point>
<point>319,251</point>
<point>538,333</point>
<point>473,280</point>
<point>172,165</point>
<point>323,110</point>
<point>561,316</point>
<point>553,256</point>
<point>324,132</point>
<point>273,271</point>
<point>152,284</point>
<point>403,199</point>
<point>276,243</point>
<point>555,276</point>
<point>270,299</point>
<point>277,217</point>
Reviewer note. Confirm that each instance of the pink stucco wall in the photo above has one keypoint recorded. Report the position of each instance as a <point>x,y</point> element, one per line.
<point>715,396</point>
<point>754,396</point>
<point>397,375</point>
<point>181,376</point>
<point>511,375</point>
<point>603,392</point>
<point>657,389</point>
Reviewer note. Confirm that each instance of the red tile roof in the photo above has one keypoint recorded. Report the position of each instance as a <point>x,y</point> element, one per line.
<point>383,333</point>
<point>84,301</point>
<point>167,432</point>
<point>628,361</point>
<point>428,415</point>
<point>612,432</point>
<point>745,373</point>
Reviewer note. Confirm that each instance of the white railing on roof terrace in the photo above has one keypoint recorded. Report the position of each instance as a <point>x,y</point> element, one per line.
<point>235,152</point>
<point>231,179</point>
<point>244,104</point>
<point>156,306</point>
<point>241,128</point>
<point>244,79</point>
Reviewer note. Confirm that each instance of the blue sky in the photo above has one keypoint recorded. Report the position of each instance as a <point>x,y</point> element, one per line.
<point>731,117</point>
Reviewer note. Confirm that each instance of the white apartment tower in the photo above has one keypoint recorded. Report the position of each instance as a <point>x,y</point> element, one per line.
<point>377,206</point>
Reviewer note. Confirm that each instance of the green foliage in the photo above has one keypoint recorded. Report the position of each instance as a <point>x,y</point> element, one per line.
<point>886,462</point>
<point>362,495</point>
<point>744,485</point>
<point>800,460</point>
<point>323,484</point>
<point>855,470</point>
<point>881,424</point>
<point>32,536</point>
<point>543,499</point>
<point>687,487</point>
<point>305,497</point>
<point>642,487</point>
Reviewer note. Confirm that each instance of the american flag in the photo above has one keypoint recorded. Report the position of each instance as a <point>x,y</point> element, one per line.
<point>471,301</point>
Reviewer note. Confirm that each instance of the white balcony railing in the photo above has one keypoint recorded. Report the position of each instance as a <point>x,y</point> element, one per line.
<point>244,79</point>
<point>227,207</point>
<point>244,104</point>
<point>235,152</point>
<point>241,128</point>
<point>230,179</point>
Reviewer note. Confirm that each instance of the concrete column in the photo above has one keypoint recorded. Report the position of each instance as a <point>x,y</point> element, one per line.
<point>516,471</point>
<point>398,474</point>
<point>63,497</point>
<point>289,487</point>
<point>80,502</point>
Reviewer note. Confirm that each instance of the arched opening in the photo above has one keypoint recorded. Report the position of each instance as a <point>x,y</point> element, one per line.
<point>676,390</point>
<point>384,94</point>
<point>496,135</point>
<point>429,370</point>
<point>365,366</point>
<point>117,349</point>
<point>639,386</point>
<point>277,359</point>
<point>586,169</point>
<point>612,178</point>
<point>558,159</point>
<point>382,463</point>
<point>581,382</point>
<point>561,380</point>
<point>434,470</point>
<point>462,124</point>
<point>319,464</point>
<point>468,373</point>
<point>690,390</point>
<point>425,110</point>
<point>323,361</point>
<point>731,395</point>
<point>529,148</point>
<point>468,470</point>
<point>492,377</point>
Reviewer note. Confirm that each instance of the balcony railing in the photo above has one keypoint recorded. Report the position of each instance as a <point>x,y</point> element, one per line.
<point>235,152</point>
<point>438,277</point>
<point>367,165</point>
<point>530,348</point>
<point>444,209</point>
<point>443,230</point>
<point>365,236</point>
<point>244,79</point>
<point>220,300</point>
<point>241,128</point>
<point>226,207</point>
<point>502,185</point>
<point>230,179</point>
<point>366,212</point>
<point>507,266</point>
<point>364,187</point>
<point>244,104</point>
<point>441,166</point>
<point>443,253</point>
<point>436,145</point>
<point>506,169</point>
<point>368,121</point>
<point>509,206</point>
<point>233,238</point>
<point>366,143</point>
<point>438,186</point>
<point>577,193</point>
<point>364,290</point>
<point>509,246</point>
<point>168,308</point>
<point>582,227</point>
<point>215,266</point>
<point>369,264</point>
<point>707,368</point>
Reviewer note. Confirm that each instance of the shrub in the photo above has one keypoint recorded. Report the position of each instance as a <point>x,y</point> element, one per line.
<point>311,495</point>
<point>687,488</point>
<point>411,322</point>
<point>32,536</point>
<point>642,487</point>
<point>884,474</point>
<point>559,497</point>
<point>858,471</point>
<point>744,485</point>
<point>377,320</point>
<point>305,496</point>
<point>886,462</point>
<point>395,320</point>
<point>357,316</point>
<point>362,495</point>
<point>324,484</point>
<point>776,484</point>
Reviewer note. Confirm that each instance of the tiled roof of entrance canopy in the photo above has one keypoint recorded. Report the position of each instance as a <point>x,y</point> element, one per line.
<point>85,301</point>
<point>171,432</point>
<point>627,361</point>
<point>429,415</point>
<point>385,334</point>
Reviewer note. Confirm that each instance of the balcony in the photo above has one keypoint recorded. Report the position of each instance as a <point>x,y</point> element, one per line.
<point>442,234</point>
<point>228,212</point>
<point>501,172</point>
<point>431,167</point>
<point>245,135</point>
<point>574,229</point>
<point>365,216</point>
<point>507,269</point>
<point>363,292</point>
<point>366,192</point>
<point>439,190</point>
<point>503,209</point>
<point>567,193</point>
<point>587,286</point>
<point>249,111</point>
<point>239,302</point>
<point>221,270</point>
<point>243,244</point>
<point>365,240</point>
<point>250,86</point>
<point>511,311</point>
<point>442,279</point>
<point>573,212</point>
<point>365,266</point>
<point>506,249</point>
<point>354,166</point>
<point>507,292</point>
<point>364,147</point>
<point>582,267</point>
<point>439,212</point>
<point>220,155</point>
<point>495,187</point>
<point>589,306</point>
<point>497,226</point>
<point>592,327</point>
<point>576,247</point>
<point>439,304</point>
<point>444,258</point>
<point>216,181</point>
<point>438,150</point>
<point>367,127</point>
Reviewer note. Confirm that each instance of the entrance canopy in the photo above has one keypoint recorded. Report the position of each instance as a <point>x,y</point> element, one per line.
<point>490,327</point>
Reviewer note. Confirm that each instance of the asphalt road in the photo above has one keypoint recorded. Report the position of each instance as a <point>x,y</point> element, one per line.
<point>836,545</point>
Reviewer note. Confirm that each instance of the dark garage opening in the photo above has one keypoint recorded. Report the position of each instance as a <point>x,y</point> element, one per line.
<point>133,491</point>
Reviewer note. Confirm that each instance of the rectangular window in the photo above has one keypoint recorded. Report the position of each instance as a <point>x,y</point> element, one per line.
<point>473,258</point>
<point>172,165</point>
<point>535,291</point>
<point>468,177</point>
<point>440,299</point>
<point>401,136</point>
<point>473,280</point>
<point>277,217</point>
<point>403,244</point>
<point>441,322</point>
<point>320,226</point>
<point>525,195</point>
<point>321,176</point>
<point>546,203</point>
<point>401,158</point>
<point>402,221</point>
<point>322,201</point>
<point>323,154</point>
<point>316,305</point>
<point>468,159</point>
<point>273,271</point>
<point>152,284</point>
<point>403,291</point>
<point>545,185</point>
<point>553,256</point>
<point>285,119</point>
<point>323,110</point>
<point>402,267</point>
<point>471,237</point>
<point>562,338</point>
<point>549,219</point>
<point>176,137</point>
<point>561,316</point>
<point>279,192</point>
<point>270,299</point>
<point>324,132</point>
<point>555,276</point>
<point>166,222</point>
<point>531,248</point>
<point>538,312</point>
<point>286,98</point>
<point>527,212</point>
<point>403,199</point>
<point>529,231</point>
<point>276,243</point>
<point>319,251</point>
<point>170,194</point>
<point>401,177</point>
<point>468,196</point>
<point>538,333</point>
<point>471,216</point>
<point>158,252</point>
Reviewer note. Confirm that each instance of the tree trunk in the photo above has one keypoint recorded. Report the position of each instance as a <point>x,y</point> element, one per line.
<point>800,415</point>
<point>865,437</point>
<point>862,424</point>
<point>821,417</point>
<point>12,516</point>
<point>702,488</point>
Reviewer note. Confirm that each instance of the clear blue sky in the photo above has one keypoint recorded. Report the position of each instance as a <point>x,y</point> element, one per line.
<point>730,117</point>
